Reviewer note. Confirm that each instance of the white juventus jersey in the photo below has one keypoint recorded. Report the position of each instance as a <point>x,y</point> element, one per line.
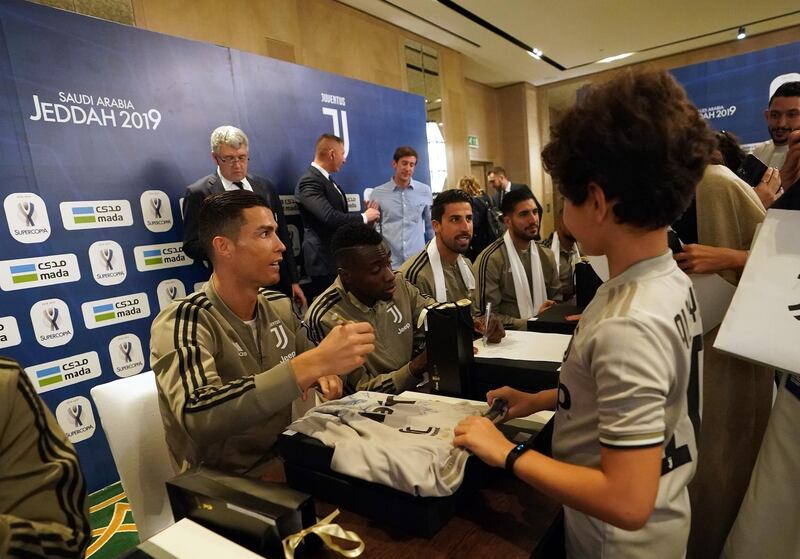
<point>399,442</point>
<point>631,378</point>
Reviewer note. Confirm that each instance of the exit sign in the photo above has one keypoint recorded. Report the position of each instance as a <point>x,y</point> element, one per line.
<point>472,141</point>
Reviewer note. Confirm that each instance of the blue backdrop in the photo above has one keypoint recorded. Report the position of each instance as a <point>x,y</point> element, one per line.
<point>102,126</point>
<point>732,93</point>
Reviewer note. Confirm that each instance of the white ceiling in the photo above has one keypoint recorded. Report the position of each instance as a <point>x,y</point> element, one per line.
<point>577,33</point>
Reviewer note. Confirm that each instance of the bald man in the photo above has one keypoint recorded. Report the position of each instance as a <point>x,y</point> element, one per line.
<point>323,207</point>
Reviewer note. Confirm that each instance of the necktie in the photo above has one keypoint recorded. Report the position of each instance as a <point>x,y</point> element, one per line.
<point>340,191</point>
<point>239,184</point>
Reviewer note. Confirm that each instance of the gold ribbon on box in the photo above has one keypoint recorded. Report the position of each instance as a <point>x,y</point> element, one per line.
<point>326,532</point>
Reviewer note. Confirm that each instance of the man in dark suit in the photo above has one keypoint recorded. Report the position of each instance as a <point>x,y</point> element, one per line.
<point>323,207</point>
<point>230,149</point>
<point>500,185</point>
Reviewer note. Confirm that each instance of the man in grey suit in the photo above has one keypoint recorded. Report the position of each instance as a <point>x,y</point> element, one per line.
<point>230,151</point>
<point>502,185</point>
<point>323,207</point>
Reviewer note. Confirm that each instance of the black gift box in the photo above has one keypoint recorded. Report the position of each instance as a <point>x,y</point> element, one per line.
<point>253,513</point>
<point>448,338</point>
<point>307,464</point>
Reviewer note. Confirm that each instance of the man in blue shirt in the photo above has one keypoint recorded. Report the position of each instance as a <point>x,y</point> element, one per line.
<point>405,206</point>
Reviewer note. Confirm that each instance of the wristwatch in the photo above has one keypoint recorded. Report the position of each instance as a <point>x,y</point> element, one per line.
<point>513,454</point>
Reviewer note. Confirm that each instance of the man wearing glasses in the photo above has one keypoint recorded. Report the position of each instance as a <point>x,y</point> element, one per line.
<point>229,149</point>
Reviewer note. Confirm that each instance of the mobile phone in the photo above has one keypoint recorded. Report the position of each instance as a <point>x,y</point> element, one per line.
<point>674,241</point>
<point>751,170</point>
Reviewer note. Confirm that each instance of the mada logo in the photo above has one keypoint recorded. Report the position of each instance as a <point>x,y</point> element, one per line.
<point>126,354</point>
<point>169,290</point>
<point>108,263</point>
<point>64,372</point>
<point>52,323</point>
<point>25,273</point>
<point>76,418</point>
<point>105,312</point>
<point>9,332</point>
<point>26,215</point>
<point>95,214</point>
<point>157,257</point>
<point>156,211</point>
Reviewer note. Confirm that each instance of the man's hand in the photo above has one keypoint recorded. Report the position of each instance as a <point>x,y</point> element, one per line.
<point>704,259</point>
<point>298,296</point>
<point>495,332</point>
<point>331,387</point>
<point>419,365</point>
<point>372,212</point>
<point>769,188</point>
<point>546,305</point>
<point>520,403</point>
<point>480,436</point>
<point>790,172</point>
<point>340,352</point>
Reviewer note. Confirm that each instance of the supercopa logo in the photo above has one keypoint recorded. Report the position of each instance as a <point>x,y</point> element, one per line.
<point>96,214</point>
<point>64,372</point>
<point>52,322</point>
<point>26,215</point>
<point>126,354</point>
<point>156,211</point>
<point>76,418</point>
<point>108,262</point>
<point>169,290</point>
<point>105,312</point>
<point>25,273</point>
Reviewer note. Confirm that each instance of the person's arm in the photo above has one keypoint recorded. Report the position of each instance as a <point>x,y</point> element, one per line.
<point>426,219</point>
<point>41,483</point>
<point>210,409</point>
<point>311,195</point>
<point>621,492</point>
<point>192,201</point>
<point>633,381</point>
<point>487,290</point>
<point>704,259</point>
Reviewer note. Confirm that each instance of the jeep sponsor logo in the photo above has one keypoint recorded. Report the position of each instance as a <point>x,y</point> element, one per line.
<point>127,357</point>
<point>93,214</point>
<point>76,418</point>
<point>156,210</point>
<point>9,332</point>
<point>25,273</point>
<point>169,290</point>
<point>157,257</point>
<point>108,262</point>
<point>64,372</point>
<point>105,312</point>
<point>52,323</point>
<point>26,215</point>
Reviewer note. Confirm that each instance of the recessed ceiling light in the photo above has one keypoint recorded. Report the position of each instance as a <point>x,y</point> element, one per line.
<point>741,34</point>
<point>536,53</point>
<point>616,57</point>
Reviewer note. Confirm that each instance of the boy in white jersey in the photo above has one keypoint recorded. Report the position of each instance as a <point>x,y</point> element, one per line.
<point>627,159</point>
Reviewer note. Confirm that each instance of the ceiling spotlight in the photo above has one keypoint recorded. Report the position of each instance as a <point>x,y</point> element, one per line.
<point>536,53</point>
<point>613,58</point>
<point>741,34</point>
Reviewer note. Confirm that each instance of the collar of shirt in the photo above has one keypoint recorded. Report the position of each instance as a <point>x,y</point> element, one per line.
<point>228,185</point>
<point>507,188</point>
<point>325,173</point>
<point>398,187</point>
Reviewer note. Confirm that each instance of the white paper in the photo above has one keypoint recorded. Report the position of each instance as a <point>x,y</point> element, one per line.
<point>763,320</point>
<point>525,346</point>
<point>188,540</point>
<point>600,265</point>
<point>714,296</point>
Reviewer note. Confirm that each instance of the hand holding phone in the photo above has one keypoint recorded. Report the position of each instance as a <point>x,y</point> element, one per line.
<point>751,170</point>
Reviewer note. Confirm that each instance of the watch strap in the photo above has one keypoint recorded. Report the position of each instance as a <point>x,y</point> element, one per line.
<point>513,454</point>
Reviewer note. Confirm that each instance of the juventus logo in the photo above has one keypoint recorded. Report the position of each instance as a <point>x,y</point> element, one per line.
<point>397,316</point>
<point>280,333</point>
<point>345,135</point>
